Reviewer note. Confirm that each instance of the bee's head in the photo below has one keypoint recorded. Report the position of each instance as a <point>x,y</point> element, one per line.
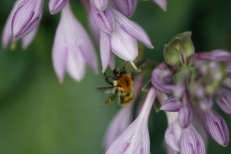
<point>118,72</point>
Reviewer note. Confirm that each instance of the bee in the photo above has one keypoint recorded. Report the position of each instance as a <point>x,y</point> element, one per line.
<point>122,85</point>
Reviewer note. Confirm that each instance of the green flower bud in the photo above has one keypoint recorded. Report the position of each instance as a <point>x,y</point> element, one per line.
<point>179,49</point>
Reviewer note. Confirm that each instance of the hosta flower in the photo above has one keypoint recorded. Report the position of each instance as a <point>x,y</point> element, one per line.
<point>117,126</point>
<point>72,47</point>
<point>194,81</point>
<point>126,7</point>
<point>217,127</point>
<point>26,17</point>
<point>57,5</point>
<point>118,34</point>
<point>135,139</point>
<point>7,36</point>
<point>191,141</point>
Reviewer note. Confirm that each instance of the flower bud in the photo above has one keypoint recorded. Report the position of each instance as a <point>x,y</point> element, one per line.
<point>56,5</point>
<point>185,112</point>
<point>26,17</point>
<point>126,7</point>
<point>217,127</point>
<point>105,20</point>
<point>191,142</point>
<point>171,105</point>
<point>224,100</point>
<point>179,49</point>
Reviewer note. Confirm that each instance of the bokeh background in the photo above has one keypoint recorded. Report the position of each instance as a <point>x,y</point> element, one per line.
<point>38,115</point>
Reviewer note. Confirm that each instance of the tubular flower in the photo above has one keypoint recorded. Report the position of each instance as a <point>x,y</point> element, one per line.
<point>72,47</point>
<point>56,6</point>
<point>118,34</point>
<point>135,139</point>
<point>26,17</point>
<point>7,36</point>
<point>199,78</point>
<point>117,126</point>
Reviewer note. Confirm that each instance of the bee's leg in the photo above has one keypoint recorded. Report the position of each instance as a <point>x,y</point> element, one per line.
<point>135,72</point>
<point>124,70</point>
<point>107,78</point>
<point>109,100</point>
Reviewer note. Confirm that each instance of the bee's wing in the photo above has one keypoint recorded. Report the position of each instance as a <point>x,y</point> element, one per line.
<point>107,89</point>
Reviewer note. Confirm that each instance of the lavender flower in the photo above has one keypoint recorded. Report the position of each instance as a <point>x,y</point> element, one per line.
<point>56,6</point>
<point>191,142</point>
<point>126,7</point>
<point>26,17</point>
<point>7,36</point>
<point>118,35</point>
<point>135,139</point>
<point>72,47</point>
<point>217,127</point>
<point>117,126</point>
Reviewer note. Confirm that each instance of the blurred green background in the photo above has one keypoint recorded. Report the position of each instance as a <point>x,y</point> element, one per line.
<point>41,116</point>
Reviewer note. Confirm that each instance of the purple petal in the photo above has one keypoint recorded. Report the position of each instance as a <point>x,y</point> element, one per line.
<point>227,82</point>
<point>26,17</point>
<point>105,20</point>
<point>105,50</point>
<point>162,4</point>
<point>162,78</point>
<point>7,35</point>
<point>171,105</point>
<point>215,55</point>
<point>112,61</point>
<point>127,7</point>
<point>191,142</point>
<point>172,136</point>
<point>133,29</point>
<point>59,52</point>
<point>217,127</point>
<point>81,37</point>
<point>224,100</point>
<point>100,4</point>
<point>26,40</point>
<point>205,102</point>
<point>57,5</point>
<point>93,27</point>
<point>123,45</point>
<point>185,115</point>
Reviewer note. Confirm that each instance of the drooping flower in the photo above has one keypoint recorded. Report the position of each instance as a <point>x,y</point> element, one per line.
<point>126,7</point>
<point>26,17</point>
<point>72,47</point>
<point>135,139</point>
<point>7,36</point>
<point>118,35</point>
<point>56,6</point>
